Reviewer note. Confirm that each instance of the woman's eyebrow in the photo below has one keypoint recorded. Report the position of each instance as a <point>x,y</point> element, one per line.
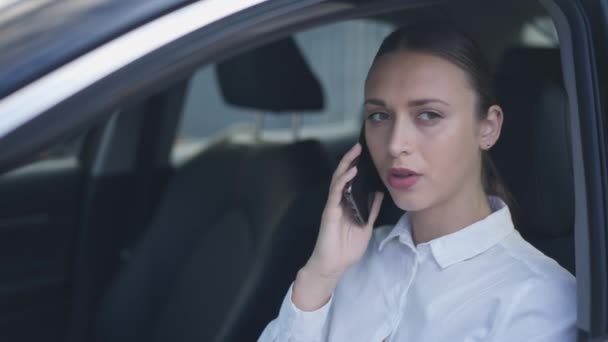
<point>422,102</point>
<point>375,102</point>
<point>412,103</point>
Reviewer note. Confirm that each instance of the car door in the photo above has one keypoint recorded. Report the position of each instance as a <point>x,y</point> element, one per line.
<point>44,232</point>
<point>593,282</point>
<point>45,185</point>
<point>39,213</point>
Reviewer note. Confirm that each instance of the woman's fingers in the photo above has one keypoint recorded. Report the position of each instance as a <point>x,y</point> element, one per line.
<point>342,175</point>
<point>337,188</point>
<point>346,161</point>
<point>373,214</point>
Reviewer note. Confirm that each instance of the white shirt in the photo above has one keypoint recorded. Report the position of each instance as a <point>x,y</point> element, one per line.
<point>481,283</point>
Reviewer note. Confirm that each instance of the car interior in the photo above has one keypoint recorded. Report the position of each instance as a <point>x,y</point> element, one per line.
<point>201,239</point>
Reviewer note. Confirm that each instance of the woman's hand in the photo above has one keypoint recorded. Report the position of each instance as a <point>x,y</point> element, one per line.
<point>341,242</point>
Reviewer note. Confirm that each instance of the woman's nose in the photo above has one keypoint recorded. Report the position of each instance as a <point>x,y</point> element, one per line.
<point>401,138</point>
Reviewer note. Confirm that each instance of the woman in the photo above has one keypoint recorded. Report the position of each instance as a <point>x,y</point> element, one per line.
<point>453,268</point>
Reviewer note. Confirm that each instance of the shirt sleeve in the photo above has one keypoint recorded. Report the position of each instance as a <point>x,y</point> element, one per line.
<point>295,325</point>
<point>544,311</point>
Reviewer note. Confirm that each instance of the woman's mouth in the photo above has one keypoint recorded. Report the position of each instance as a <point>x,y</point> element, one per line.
<point>402,179</point>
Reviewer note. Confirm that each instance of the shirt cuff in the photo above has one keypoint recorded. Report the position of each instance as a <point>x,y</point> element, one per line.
<point>303,325</point>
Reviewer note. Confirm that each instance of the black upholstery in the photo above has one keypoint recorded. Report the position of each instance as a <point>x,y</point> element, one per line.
<point>274,78</point>
<point>233,228</point>
<point>533,154</point>
<point>234,225</point>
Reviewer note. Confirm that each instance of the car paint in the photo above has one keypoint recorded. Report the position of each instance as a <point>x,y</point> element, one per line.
<point>20,107</point>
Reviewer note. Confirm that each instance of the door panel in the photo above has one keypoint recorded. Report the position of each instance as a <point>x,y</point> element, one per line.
<point>39,207</point>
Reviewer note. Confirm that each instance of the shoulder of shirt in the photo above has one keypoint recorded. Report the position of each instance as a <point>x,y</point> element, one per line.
<point>544,285</point>
<point>537,265</point>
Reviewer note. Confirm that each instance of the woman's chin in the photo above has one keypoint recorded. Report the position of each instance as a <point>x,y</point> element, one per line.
<point>409,201</point>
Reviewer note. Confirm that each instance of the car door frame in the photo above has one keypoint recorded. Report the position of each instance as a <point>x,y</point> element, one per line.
<point>589,163</point>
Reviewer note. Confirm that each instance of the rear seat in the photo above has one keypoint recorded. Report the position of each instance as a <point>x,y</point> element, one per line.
<point>235,223</point>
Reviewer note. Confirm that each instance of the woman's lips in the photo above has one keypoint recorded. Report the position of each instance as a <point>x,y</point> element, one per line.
<point>402,179</point>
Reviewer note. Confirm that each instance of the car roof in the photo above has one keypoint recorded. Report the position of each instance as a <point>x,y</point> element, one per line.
<point>38,36</point>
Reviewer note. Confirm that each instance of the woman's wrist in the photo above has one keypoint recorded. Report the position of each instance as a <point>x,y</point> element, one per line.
<point>312,290</point>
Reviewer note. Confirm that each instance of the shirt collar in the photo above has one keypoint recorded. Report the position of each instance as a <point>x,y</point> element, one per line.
<point>465,243</point>
<point>402,230</point>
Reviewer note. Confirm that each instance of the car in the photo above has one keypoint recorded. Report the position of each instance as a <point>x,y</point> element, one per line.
<point>164,164</point>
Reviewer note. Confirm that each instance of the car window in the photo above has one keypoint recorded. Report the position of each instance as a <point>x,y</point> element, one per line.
<point>205,114</point>
<point>540,32</point>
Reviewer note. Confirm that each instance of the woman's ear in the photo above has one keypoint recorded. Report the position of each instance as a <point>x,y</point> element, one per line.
<point>490,127</point>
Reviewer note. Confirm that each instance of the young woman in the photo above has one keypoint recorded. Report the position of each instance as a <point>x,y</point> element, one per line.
<point>453,268</point>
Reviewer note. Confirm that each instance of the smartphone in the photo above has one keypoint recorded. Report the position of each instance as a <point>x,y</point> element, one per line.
<point>358,194</point>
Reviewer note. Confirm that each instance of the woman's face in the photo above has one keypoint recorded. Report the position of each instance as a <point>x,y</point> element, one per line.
<point>422,129</point>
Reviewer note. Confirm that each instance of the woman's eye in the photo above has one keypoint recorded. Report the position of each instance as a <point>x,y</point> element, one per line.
<point>378,116</point>
<point>428,116</point>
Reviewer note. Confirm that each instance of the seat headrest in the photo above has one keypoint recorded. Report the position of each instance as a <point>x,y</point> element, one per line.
<point>533,154</point>
<point>274,78</point>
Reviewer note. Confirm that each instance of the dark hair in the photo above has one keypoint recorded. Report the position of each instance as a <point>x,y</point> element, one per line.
<point>454,46</point>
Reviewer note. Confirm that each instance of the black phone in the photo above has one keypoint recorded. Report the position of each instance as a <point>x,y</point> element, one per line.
<point>358,194</point>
